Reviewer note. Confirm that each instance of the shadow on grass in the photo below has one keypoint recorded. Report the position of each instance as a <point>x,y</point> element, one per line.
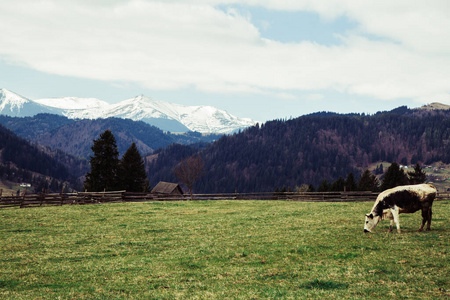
<point>324,285</point>
<point>9,284</point>
<point>191,264</point>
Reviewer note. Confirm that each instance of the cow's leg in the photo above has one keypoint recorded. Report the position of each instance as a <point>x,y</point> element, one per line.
<point>391,226</point>
<point>426,216</point>
<point>396,218</point>
<point>430,214</point>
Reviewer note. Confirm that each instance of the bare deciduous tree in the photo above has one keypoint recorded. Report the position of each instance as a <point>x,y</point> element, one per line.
<point>189,170</point>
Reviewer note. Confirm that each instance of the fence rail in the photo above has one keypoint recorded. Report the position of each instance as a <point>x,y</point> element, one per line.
<point>82,198</point>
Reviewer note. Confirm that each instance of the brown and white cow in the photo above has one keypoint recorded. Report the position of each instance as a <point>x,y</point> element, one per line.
<point>402,199</point>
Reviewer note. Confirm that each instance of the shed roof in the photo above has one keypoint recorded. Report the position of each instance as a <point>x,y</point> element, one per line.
<point>167,188</point>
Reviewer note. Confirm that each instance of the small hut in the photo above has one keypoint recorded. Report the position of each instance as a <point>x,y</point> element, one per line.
<point>167,188</point>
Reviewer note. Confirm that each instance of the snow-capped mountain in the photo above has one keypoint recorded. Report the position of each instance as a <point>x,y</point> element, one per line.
<point>204,119</point>
<point>72,103</point>
<point>167,116</point>
<point>14,105</point>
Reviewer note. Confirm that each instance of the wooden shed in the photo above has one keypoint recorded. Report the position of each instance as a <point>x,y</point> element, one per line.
<point>167,188</point>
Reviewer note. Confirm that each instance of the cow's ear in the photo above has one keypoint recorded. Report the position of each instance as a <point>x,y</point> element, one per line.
<point>371,216</point>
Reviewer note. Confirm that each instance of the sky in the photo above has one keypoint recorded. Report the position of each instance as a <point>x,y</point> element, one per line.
<point>265,60</point>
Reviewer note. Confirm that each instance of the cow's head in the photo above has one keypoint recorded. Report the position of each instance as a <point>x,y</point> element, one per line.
<point>370,222</point>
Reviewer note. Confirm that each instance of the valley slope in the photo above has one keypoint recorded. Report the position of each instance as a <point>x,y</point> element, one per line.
<point>22,162</point>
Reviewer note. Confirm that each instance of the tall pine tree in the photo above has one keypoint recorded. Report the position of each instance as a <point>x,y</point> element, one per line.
<point>368,182</point>
<point>132,171</point>
<point>417,176</point>
<point>393,177</point>
<point>350,184</point>
<point>104,165</point>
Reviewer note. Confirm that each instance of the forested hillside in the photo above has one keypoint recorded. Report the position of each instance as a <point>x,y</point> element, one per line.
<point>277,154</point>
<point>75,136</point>
<point>22,162</point>
<point>311,148</point>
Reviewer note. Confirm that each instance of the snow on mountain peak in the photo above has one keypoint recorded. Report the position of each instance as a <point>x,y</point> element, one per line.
<point>72,102</point>
<point>10,98</point>
<point>204,119</point>
<point>14,105</point>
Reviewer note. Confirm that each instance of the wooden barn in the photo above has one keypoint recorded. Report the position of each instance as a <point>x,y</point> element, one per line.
<point>167,188</point>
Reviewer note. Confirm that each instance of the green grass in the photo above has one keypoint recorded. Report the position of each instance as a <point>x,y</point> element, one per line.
<point>219,249</point>
<point>9,188</point>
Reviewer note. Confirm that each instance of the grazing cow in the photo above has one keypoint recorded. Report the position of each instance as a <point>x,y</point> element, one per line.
<point>402,199</point>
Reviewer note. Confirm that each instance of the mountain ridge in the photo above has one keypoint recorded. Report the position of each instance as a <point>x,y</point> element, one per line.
<point>75,136</point>
<point>71,102</point>
<point>164,115</point>
<point>15,105</point>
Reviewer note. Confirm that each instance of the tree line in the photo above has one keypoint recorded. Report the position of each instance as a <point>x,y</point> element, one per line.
<point>108,172</point>
<point>394,176</point>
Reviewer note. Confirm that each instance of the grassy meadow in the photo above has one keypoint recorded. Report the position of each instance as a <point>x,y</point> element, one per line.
<point>220,249</point>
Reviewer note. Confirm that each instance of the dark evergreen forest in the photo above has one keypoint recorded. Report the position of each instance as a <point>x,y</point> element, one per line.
<point>22,162</point>
<point>311,148</point>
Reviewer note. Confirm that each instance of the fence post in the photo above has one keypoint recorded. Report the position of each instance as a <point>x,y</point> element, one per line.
<point>23,198</point>
<point>42,197</point>
<point>62,196</point>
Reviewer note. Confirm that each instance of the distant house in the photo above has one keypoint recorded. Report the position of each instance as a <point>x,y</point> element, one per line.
<point>167,188</point>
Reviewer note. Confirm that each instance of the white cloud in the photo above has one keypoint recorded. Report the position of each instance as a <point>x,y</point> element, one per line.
<point>314,97</point>
<point>176,44</point>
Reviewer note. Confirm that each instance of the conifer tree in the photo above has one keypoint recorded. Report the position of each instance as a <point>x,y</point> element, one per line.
<point>324,186</point>
<point>350,184</point>
<point>104,164</point>
<point>393,177</point>
<point>417,176</point>
<point>338,185</point>
<point>132,171</point>
<point>368,182</point>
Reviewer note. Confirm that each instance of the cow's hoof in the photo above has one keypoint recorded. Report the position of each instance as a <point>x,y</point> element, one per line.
<point>420,230</point>
<point>428,229</point>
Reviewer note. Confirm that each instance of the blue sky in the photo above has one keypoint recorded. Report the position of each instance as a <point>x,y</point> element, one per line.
<point>264,60</point>
<point>296,26</point>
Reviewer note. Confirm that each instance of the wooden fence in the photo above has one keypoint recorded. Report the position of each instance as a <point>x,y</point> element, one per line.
<point>123,196</point>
